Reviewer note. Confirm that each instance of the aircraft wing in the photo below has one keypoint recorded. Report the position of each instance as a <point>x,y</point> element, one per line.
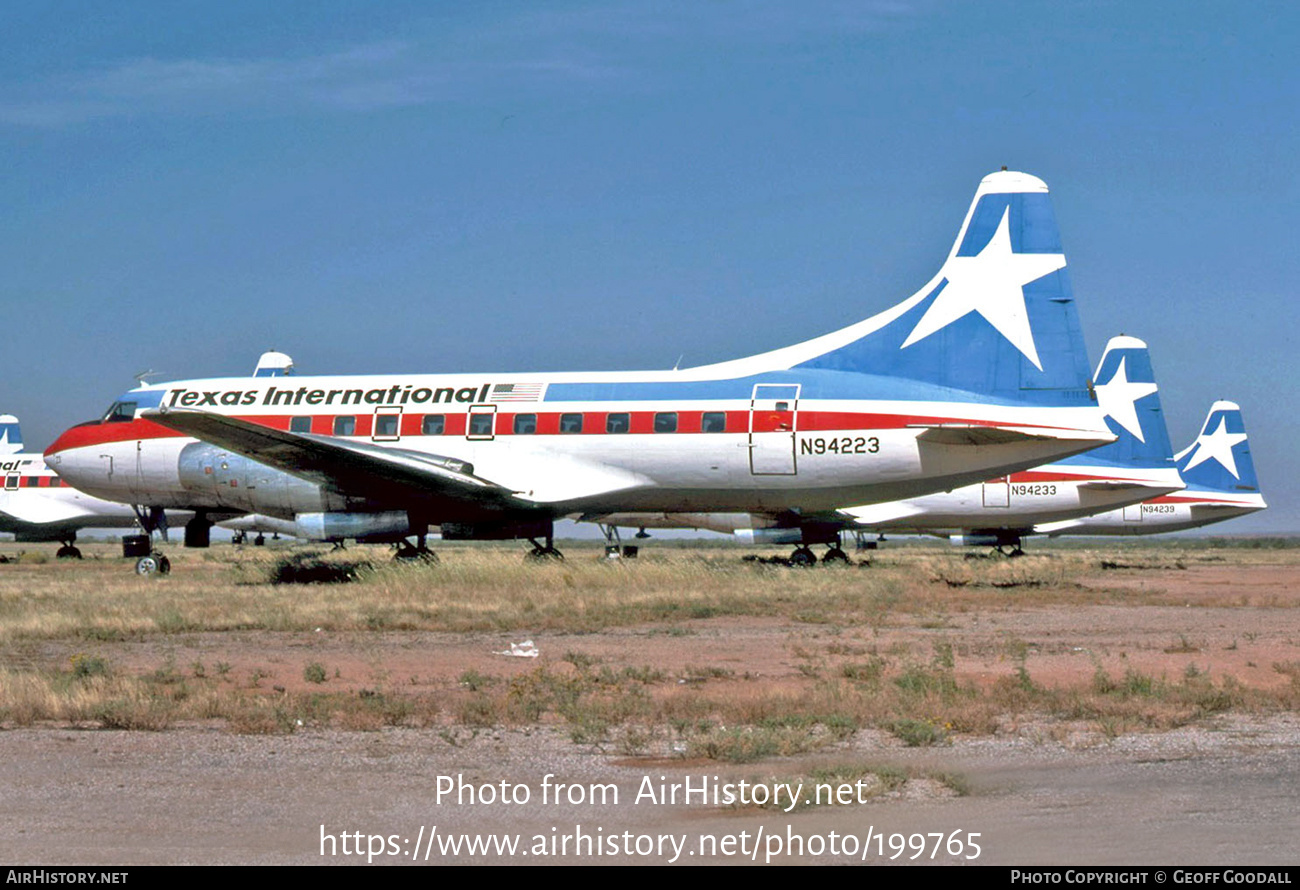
<point>358,469</point>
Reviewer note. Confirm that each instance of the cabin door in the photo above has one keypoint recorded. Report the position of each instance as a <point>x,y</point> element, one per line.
<point>773,415</point>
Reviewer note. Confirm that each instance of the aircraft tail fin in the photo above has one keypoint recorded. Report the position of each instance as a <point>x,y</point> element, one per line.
<point>1220,457</point>
<point>1128,395</point>
<point>11,437</point>
<point>998,320</point>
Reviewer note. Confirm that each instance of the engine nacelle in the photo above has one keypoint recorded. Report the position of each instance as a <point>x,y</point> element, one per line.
<point>390,524</point>
<point>235,482</point>
<point>975,540</point>
<point>754,536</point>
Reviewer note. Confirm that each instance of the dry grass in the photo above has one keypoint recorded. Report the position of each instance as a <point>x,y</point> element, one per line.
<point>492,588</point>
<point>846,678</point>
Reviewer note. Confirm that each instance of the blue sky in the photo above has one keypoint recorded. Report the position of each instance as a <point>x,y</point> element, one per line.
<point>529,186</point>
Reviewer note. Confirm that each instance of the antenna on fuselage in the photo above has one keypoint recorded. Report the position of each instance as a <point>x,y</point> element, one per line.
<point>144,375</point>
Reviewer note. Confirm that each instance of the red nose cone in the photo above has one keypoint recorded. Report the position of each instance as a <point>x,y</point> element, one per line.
<point>98,433</point>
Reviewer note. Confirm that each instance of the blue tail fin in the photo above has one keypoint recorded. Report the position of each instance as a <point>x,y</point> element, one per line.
<point>998,320</point>
<point>1127,393</point>
<point>11,438</point>
<point>1220,459</point>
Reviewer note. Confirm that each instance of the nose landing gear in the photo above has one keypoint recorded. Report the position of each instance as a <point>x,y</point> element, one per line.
<point>153,564</point>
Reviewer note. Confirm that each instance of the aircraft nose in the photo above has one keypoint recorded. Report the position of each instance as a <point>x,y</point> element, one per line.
<point>74,455</point>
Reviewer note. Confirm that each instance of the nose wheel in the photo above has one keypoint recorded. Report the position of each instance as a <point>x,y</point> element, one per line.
<point>153,564</point>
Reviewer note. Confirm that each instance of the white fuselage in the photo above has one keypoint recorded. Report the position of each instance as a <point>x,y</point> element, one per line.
<point>1174,512</point>
<point>647,441</point>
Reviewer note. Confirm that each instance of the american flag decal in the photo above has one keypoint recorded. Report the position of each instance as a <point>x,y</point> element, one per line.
<point>516,392</point>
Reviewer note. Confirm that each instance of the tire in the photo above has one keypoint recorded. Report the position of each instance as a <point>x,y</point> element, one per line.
<point>803,557</point>
<point>835,556</point>
<point>147,565</point>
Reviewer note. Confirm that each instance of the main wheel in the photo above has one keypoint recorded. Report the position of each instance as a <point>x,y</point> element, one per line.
<point>803,557</point>
<point>835,555</point>
<point>67,552</point>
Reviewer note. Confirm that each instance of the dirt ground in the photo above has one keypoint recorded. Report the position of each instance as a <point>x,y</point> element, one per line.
<point>1218,791</point>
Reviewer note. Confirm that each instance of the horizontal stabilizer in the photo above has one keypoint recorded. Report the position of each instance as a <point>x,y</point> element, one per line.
<point>1120,485</point>
<point>1057,528</point>
<point>874,514</point>
<point>978,434</point>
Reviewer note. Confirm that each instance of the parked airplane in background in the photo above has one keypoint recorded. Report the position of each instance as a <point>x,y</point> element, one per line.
<point>982,372</point>
<point>11,438</point>
<point>998,512</point>
<point>1220,480</point>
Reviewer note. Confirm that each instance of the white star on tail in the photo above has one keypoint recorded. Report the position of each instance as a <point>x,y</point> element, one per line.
<point>1119,398</point>
<point>991,283</point>
<point>1218,445</point>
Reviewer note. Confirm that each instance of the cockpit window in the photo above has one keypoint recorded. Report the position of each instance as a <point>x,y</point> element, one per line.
<point>120,412</point>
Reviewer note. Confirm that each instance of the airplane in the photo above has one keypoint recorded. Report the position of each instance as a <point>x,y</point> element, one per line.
<point>998,512</point>
<point>1220,480</point>
<point>982,372</point>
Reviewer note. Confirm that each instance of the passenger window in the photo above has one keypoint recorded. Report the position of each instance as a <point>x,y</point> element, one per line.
<point>666,422</point>
<point>714,422</point>
<point>525,424</point>
<point>570,423</point>
<point>300,424</point>
<point>434,424</point>
<point>480,424</point>
<point>618,423</point>
<point>386,425</point>
<point>783,406</point>
<point>345,426</point>
<point>11,483</point>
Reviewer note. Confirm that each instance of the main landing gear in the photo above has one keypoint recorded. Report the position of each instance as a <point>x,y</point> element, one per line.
<point>419,551</point>
<point>69,549</point>
<point>803,556</point>
<point>614,546</point>
<point>543,552</point>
